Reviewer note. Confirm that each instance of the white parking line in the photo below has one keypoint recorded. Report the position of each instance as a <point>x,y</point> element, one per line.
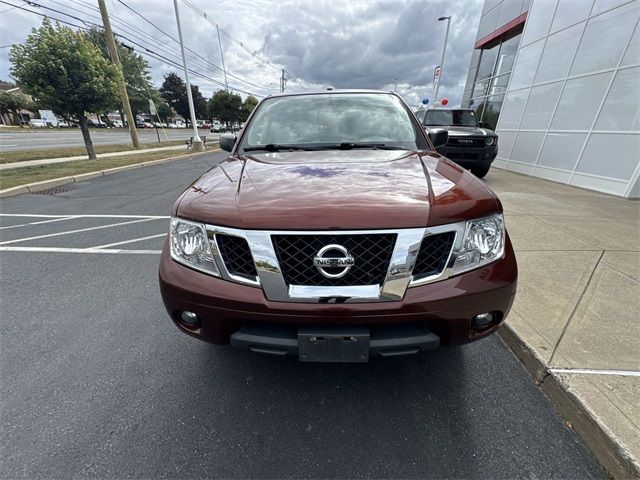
<point>128,241</point>
<point>111,225</point>
<point>36,223</point>
<point>78,250</point>
<point>592,371</point>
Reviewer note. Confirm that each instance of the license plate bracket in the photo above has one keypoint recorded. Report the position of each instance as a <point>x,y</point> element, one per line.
<point>333,344</point>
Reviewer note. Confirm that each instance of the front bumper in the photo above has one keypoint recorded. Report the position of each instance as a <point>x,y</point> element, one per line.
<point>469,157</point>
<point>444,308</point>
<point>336,343</point>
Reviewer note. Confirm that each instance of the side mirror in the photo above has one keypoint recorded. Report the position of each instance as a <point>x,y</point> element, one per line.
<point>439,137</point>
<point>227,141</point>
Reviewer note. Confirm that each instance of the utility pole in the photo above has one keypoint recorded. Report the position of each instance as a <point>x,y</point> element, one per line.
<point>224,70</point>
<point>115,58</point>
<point>198,146</point>
<point>444,50</point>
<point>283,81</point>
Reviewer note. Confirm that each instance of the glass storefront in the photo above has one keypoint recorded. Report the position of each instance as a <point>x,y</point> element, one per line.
<point>494,68</point>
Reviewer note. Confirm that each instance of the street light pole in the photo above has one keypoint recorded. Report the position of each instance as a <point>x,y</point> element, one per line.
<point>198,146</point>
<point>224,70</point>
<point>395,84</point>
<point>444,51</point>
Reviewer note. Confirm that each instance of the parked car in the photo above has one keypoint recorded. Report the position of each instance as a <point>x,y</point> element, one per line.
<point>96,123</point>
<point>173,125</point>
<point>148,125</point>
<point>471,145</point>
<point>348,236</point>
<point>217,127</point>
<point>37,123</point>
<point>117,123</point>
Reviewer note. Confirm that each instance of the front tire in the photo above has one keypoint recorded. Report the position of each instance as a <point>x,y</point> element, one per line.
<point>480,172</point>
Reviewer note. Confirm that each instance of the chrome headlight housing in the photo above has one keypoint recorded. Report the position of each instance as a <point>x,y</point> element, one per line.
<point>190,246</point>
<point>491,141</point>
<point>483,243</point>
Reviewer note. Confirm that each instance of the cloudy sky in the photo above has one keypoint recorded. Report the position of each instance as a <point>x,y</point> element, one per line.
<point>346,44</point>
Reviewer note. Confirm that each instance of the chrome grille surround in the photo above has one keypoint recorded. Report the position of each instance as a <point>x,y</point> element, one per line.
<point>398,276</point>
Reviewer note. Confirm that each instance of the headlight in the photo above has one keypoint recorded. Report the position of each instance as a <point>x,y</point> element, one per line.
<point>483,243</point>
<point>491,140</point>
<point>190,246</point>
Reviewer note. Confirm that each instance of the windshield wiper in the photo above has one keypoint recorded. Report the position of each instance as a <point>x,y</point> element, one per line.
<point>350,146</point>
<point>272,147</point>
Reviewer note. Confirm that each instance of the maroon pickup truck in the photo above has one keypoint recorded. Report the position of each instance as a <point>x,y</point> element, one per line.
<point>334,232</point>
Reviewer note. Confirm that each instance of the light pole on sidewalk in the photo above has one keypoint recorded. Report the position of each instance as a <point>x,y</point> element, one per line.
<point>198,146</point>
<point>444,51</point>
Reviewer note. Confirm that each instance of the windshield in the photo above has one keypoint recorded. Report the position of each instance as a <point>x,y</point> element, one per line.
<point>340,120</point>
<point>461,118</point>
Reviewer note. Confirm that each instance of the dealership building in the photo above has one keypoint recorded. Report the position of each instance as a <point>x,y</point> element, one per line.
<point>560,83</point>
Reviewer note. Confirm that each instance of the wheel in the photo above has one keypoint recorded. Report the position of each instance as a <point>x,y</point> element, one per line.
<point>480,172</point>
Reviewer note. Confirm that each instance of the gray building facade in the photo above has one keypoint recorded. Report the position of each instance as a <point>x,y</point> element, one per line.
<point>559,80</point>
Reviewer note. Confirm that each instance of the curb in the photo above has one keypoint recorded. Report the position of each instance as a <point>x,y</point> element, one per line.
<point>56,182</point>
<point>612,456</point>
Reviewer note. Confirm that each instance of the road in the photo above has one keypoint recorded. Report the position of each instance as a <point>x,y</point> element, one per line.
<point>97,382</point>
<point>26,139</point>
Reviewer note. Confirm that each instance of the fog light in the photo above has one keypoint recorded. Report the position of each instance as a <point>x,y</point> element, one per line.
<point>189,318</point>
<point>483,320</point>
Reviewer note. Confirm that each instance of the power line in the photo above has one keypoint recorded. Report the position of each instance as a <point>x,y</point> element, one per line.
<point>128,39</point>
<point>266,90</point>
<point>146,51</point>
<point>45,15</point>
<point>206,16</point>
<point>120,35</point>
<point>187,48</point>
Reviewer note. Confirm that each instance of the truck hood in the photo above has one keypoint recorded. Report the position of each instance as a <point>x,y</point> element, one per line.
<point>335,189</point>
<point>466,131</point>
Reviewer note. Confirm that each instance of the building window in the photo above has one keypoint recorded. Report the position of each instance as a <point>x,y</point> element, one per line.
<point>494,70</point>
<point>488,109</point>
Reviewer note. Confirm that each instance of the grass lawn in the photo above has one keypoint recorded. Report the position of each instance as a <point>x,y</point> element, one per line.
<point>20,176</point>
<point>24,155</point>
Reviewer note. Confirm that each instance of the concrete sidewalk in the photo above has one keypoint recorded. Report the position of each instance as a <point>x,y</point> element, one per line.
<point>48,161</point>
<point>575,321</point>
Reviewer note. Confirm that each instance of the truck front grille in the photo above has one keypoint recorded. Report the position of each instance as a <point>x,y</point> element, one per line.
<point>466,141</point>
<point>433,254</point>
<point>372,254</point>
<point>237,256</point>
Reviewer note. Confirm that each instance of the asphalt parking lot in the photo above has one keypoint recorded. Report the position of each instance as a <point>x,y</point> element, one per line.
<point>97,382</point>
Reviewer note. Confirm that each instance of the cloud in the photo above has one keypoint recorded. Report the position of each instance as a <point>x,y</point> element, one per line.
<point>346,44</point>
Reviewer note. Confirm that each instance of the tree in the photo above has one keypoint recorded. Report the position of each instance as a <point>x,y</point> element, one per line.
<point>66,71</point>
<point>174,92</point>
<point>12,103</point>
<point>225,106</point>
<point>199,102</point>
<point>165,112</point>
<point>247,107</point>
